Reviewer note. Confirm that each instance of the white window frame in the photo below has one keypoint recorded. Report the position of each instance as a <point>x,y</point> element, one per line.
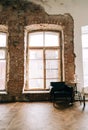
<point>85,57</point>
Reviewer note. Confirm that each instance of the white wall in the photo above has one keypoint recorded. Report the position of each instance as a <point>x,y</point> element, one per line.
<point>79,11</point>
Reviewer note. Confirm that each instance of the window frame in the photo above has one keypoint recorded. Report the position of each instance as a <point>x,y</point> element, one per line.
<point>85,61</point>
<point>5,48</point>
<point>59,47</point>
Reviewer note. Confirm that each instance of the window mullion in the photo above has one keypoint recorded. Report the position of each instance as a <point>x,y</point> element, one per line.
<point>44,61</point>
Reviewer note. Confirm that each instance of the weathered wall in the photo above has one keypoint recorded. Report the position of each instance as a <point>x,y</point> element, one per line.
<point>78,10</point>
<point>17,15</point>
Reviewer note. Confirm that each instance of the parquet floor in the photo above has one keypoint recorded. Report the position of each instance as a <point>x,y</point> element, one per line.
<point>42,116</point>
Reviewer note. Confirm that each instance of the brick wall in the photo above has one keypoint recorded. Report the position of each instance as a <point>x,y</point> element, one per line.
<point>16,15</point>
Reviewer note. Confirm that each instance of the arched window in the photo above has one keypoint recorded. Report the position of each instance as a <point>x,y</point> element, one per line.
<point>44,59</point>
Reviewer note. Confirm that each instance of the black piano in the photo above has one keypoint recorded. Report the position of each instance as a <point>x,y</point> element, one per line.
<point>61,92</point>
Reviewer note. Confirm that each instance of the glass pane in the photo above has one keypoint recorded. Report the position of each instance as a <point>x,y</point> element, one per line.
<point>85,54</point>
<point>52,54</point>
<point>52,73</point>
<point>85,40</point>
<point>35,54</point>
<point>85,29</point>
<point>2,74</point>
<point>85,66</point>
<point>52,64</point>
<point>36,84</point>
<point>51,39</point>
<point>36,69</point>
<point>2,39</point>
<point>36,39</point>
<point>50,80</point>
<point>85,70</point>
<point>2,54</point>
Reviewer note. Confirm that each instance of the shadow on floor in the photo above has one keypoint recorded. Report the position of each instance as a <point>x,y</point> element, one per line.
<point>62,105</point>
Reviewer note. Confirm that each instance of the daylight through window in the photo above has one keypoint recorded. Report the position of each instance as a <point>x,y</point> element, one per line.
<point>3,51</point>
<point>43,59</point>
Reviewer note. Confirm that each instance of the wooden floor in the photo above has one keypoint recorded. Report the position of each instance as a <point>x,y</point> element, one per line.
<point>42,116</point>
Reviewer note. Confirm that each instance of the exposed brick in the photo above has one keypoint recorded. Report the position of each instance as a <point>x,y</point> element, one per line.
<point>18,15</point>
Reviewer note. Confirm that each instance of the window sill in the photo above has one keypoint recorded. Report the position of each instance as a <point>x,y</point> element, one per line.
<point>30,91</point>
<point>3,92</point>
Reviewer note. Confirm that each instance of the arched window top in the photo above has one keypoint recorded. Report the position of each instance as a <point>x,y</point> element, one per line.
<point>43,39</point>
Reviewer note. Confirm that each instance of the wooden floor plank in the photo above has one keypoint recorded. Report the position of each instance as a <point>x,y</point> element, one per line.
<point>42,116</point>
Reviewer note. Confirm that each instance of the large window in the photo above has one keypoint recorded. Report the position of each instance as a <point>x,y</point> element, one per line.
<point>3,54</point>
<point>43,59</point>
<point>85,53</point>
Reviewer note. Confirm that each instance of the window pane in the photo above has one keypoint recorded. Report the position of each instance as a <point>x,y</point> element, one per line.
<point>35,54</point>
<point>52,73</point>
<point>2,74</point>
<point>52,64</point>
<point>36,39</point>
<point>36,69</point>
<point>2,39</point>
<point>85,66</point>
<point>85,29</point>
<point>85,70</point>
<point>52,54</point>
<point>2,54</point>
<point>36,84</point>
<point>51,39</point>
<point>85,54</point>
<point>50,80</point>
<point>85,40</point>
